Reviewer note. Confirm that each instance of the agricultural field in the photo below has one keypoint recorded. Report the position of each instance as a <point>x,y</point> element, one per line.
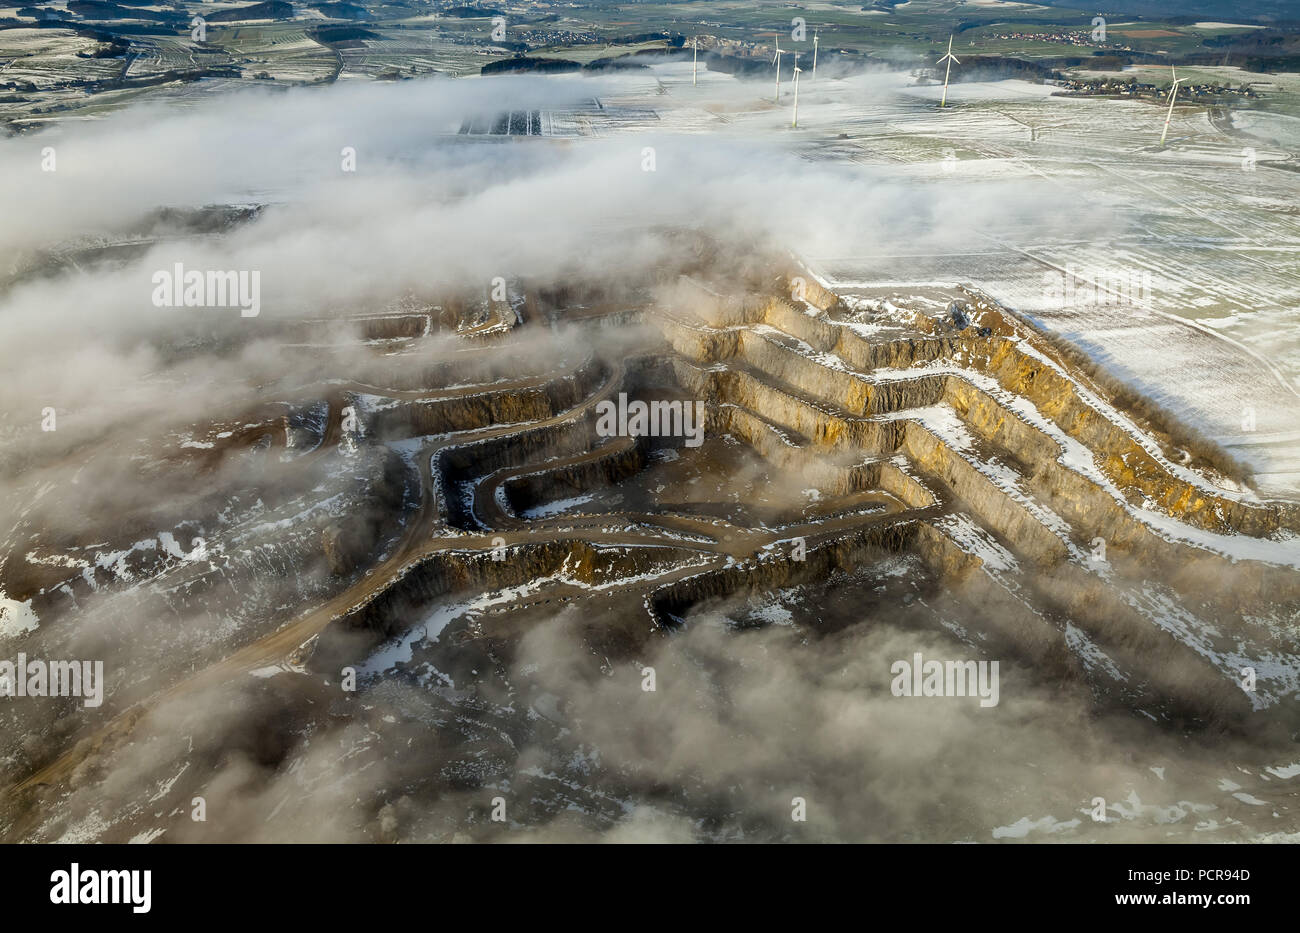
<point>1211,227</point>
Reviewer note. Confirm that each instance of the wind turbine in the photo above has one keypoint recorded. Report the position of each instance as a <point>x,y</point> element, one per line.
<point>1173,92</point>
<point>776,60</point>
<point>695,62</point>
<point>814,74</point>
<point>794,123</point>
<point>949,58</point>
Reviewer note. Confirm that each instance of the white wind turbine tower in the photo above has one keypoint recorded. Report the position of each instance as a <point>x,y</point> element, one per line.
<point>814,73</point>
<point>1173,92</point>
<point>949,58</point>
<point>695,62</point>
<point>794,123</point>
<point>776,60</point>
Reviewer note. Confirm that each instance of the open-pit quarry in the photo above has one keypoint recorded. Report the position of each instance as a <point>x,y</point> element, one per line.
<point>427,594</point>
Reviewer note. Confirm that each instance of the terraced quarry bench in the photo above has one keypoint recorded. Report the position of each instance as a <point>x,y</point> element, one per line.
<point>936,460</point>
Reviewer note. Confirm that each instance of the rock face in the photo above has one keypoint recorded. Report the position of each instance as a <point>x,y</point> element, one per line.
<point>337,552</point>
<point>348,542</point>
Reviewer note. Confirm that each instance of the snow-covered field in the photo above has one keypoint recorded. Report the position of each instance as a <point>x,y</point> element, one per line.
<point>1044,189</point>
<point>1207,229</point>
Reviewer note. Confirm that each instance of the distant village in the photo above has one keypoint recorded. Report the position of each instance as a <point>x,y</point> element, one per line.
<point>1130,87</point>
<point>1064,37</point>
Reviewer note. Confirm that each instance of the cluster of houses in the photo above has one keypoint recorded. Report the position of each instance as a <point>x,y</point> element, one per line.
<point>1064,37</point>
<point>1130,87</point>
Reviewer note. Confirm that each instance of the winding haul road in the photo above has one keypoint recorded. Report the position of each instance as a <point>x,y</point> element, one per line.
<point>425,532</point>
